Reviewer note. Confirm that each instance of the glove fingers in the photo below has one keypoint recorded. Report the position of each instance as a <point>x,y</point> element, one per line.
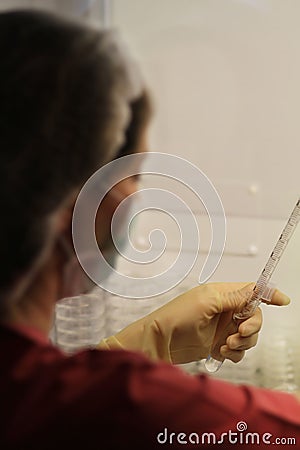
<point>251,325</point>
<point>234,355</point>
<point>278,299</point>
<point>236,342</point>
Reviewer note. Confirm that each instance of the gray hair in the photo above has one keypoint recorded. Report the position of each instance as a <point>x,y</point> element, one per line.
<point>67,89</point>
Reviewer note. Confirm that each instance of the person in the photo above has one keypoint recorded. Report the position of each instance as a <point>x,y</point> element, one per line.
<point>71,102</point>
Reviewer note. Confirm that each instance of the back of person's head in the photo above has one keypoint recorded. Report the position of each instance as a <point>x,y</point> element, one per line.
<point>66,94</point>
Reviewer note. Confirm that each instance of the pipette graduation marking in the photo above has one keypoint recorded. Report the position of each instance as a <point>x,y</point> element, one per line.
<point>212,364</point>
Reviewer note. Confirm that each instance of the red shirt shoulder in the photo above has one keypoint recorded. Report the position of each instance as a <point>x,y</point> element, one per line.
<point>111,399</point>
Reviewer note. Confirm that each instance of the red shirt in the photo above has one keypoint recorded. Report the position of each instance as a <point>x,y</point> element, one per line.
<point>100,399</point>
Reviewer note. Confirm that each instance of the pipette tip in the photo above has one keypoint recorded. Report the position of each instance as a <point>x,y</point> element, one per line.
<point>212,364</point>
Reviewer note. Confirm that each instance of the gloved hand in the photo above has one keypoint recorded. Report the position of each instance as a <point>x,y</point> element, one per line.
<point>183,330</point>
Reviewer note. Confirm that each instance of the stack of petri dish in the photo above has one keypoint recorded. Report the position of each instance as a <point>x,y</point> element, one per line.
<point>122,311</point>
<point>279,359</point>
<point>80,322</point>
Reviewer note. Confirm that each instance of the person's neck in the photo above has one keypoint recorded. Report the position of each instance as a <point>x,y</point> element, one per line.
<point>36,308</point>
<point>37,315</point>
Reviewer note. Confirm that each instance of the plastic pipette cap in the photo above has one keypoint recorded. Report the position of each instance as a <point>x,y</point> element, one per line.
<point>268,292</point>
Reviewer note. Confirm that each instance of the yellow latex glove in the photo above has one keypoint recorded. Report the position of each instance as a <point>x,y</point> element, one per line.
<point>184,329</point>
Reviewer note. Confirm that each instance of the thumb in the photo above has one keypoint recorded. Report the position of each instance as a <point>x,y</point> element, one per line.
<point>273,297</point>
<point>278,299</point>
<point>235,300</point>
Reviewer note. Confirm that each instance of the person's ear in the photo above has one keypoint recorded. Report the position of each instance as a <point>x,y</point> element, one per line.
<point>63,219</point>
